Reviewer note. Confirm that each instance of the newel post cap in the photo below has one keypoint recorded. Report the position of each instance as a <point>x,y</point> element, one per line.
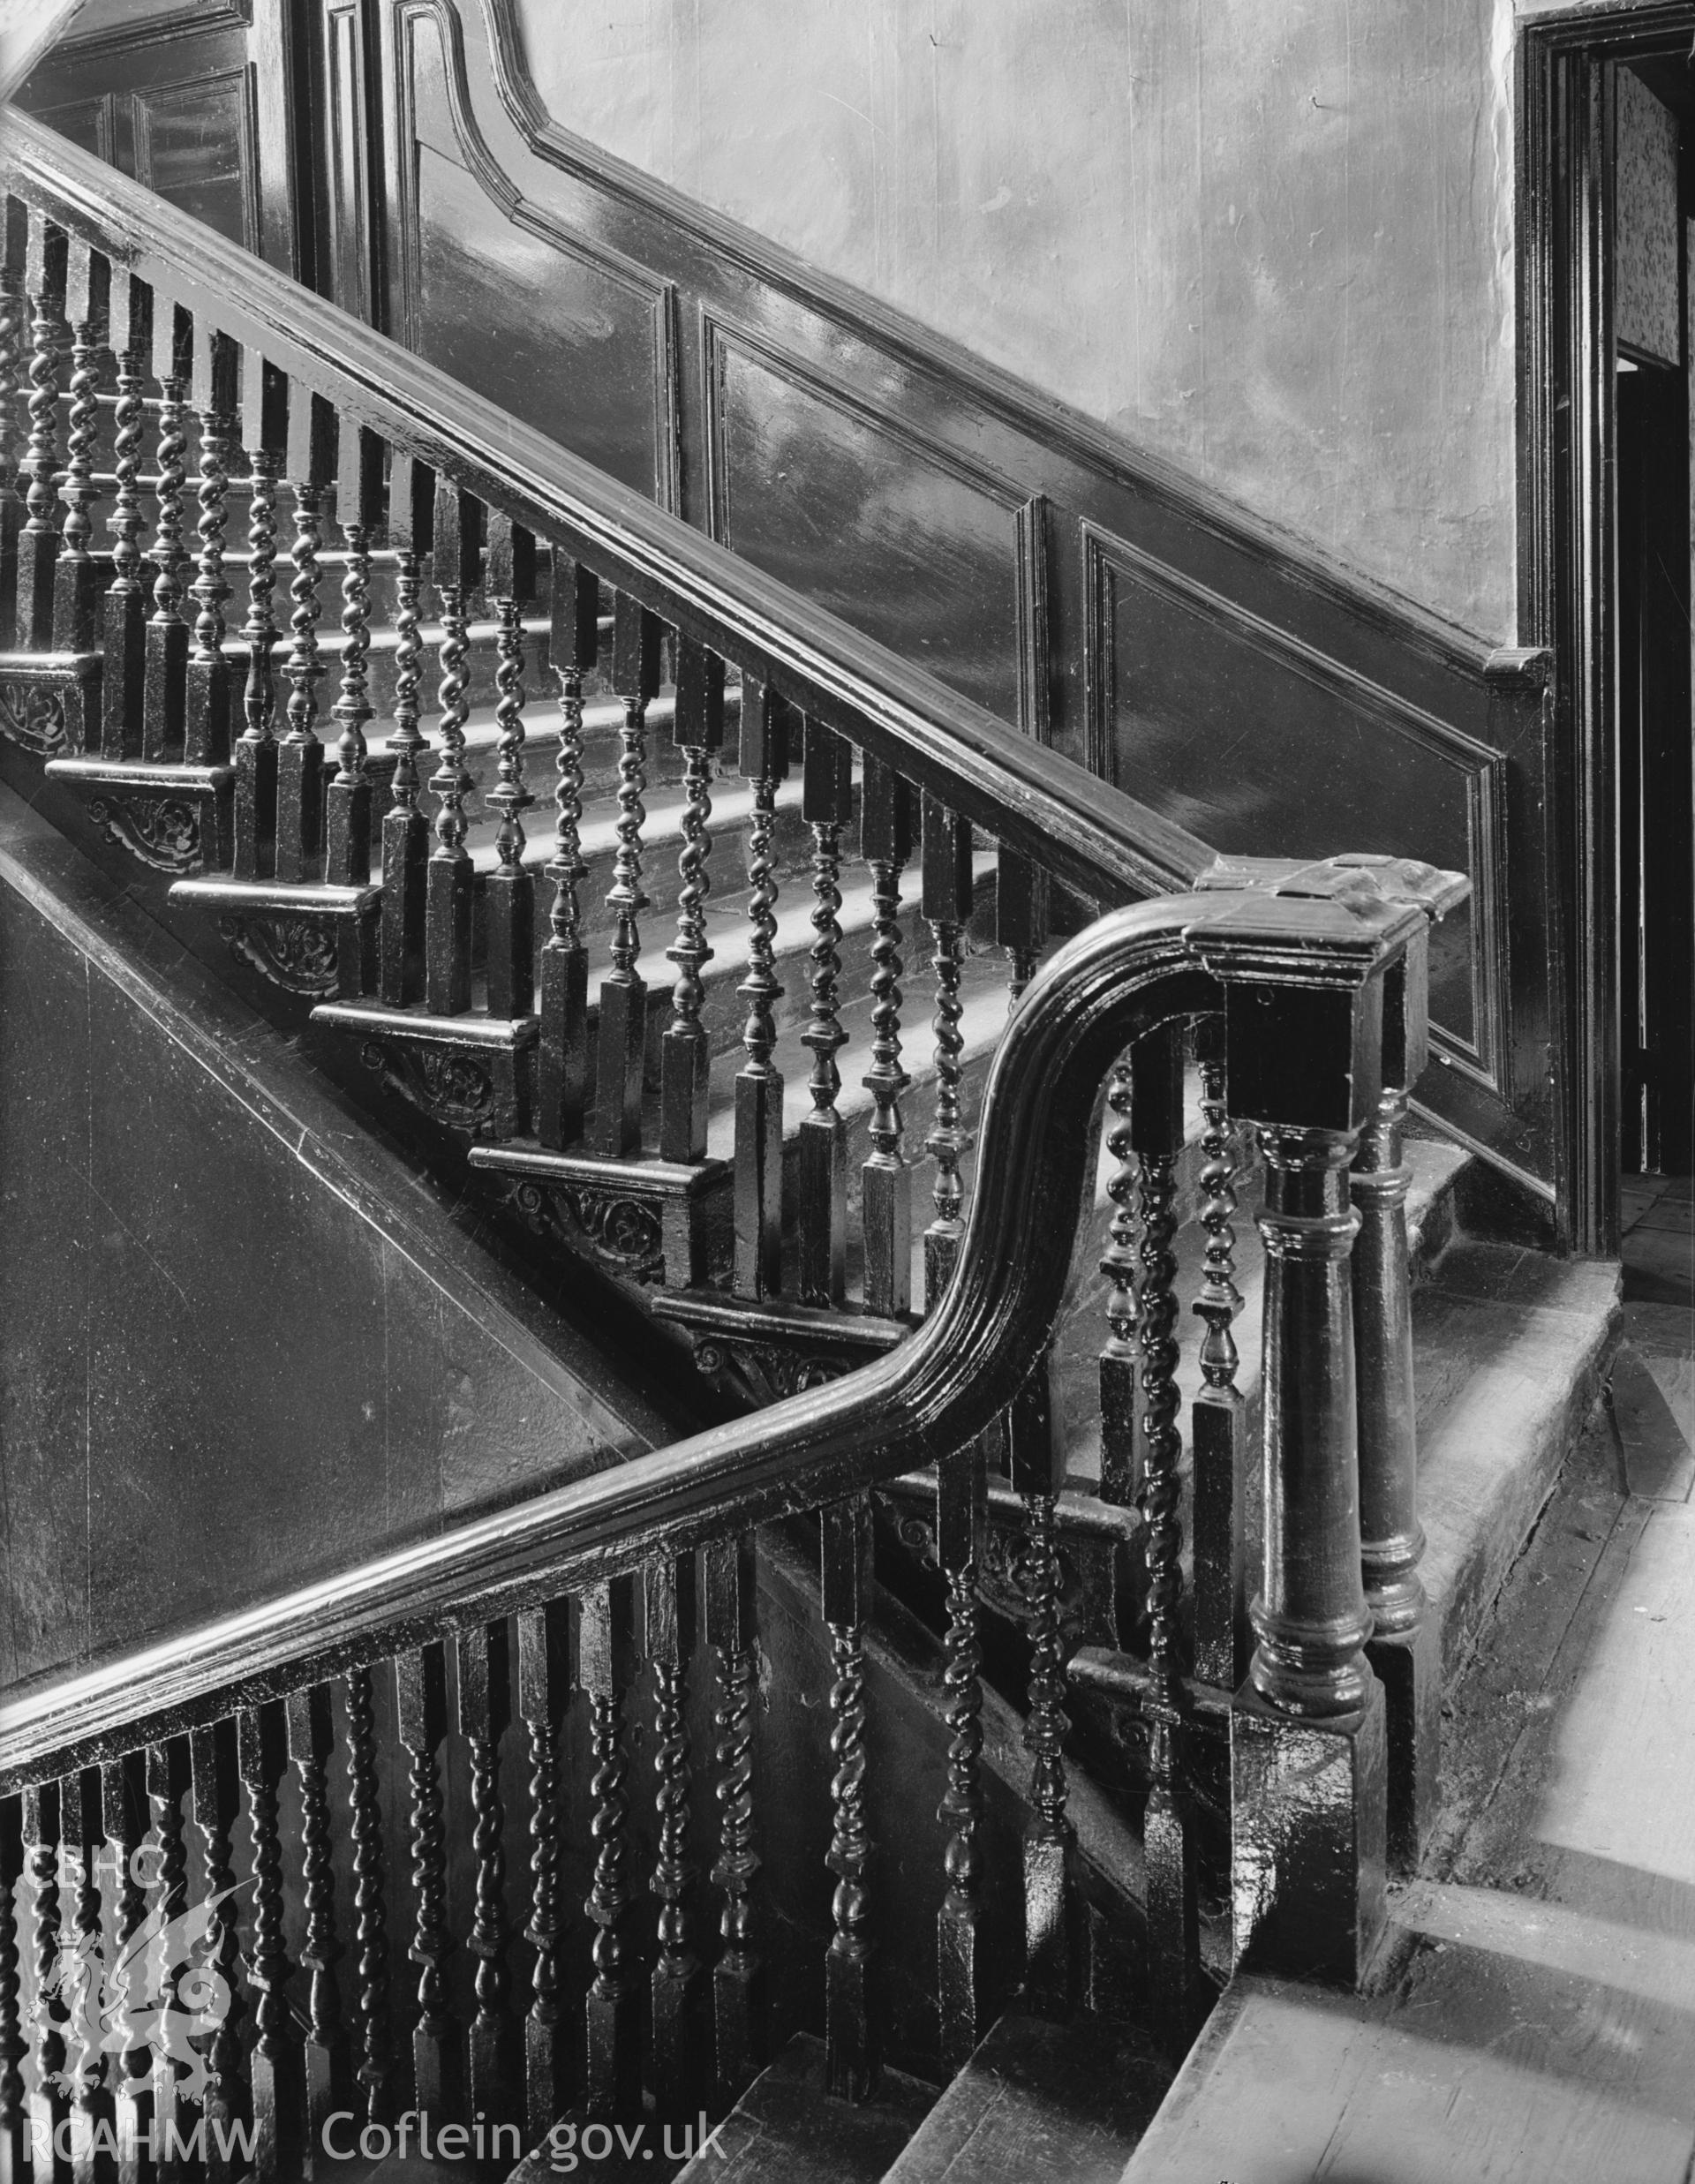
<point>1306,953</point>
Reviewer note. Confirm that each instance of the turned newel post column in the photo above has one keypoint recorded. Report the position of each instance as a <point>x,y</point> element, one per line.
<point>1405,1649</point>
<point>1304,973</point>
<point>1310,1619</point>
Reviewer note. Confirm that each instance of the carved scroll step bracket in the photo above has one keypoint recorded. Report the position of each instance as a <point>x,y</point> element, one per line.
<point>308,938</point>
<point>175,818</point>
<point>1097,1543</point>
<point>471,1073</point>
<point>759,1353</point>
<point>645,1219</point>
<point>48,699</point>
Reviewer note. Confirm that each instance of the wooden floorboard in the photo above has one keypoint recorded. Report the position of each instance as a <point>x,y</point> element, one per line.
<point>1543,2028</point>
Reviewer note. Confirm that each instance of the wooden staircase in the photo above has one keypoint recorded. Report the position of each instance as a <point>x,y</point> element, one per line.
<point>936,1285</point>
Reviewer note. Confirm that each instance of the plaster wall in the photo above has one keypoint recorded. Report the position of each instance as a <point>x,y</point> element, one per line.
<point>1270,243</point>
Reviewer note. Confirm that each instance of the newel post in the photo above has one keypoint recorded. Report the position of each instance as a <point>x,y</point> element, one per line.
<point>1304,971</point>
<point>1405,1649</point>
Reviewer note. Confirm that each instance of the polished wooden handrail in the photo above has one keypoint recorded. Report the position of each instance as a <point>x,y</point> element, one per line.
<point>1130,971</point>
<point>1084,832</point>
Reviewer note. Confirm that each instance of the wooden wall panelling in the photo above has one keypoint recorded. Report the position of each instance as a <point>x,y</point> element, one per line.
<point>276,73</point>
<point>90,122</point>
<point>938,557</point>
<point>949,509</point>
<point>506,292</point>
<point>172,101</point>
<point>347,237</point>
<point>194,144</point>
<point>1248,735</point>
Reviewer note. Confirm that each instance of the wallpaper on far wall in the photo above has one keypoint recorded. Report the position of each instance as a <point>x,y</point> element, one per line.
<point>1646,302</point>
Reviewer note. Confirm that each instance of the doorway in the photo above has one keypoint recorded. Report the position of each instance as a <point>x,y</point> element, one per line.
<point>1607,225</point>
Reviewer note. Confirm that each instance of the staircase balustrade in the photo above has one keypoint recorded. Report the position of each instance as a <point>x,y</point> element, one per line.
<point>641,1120</point>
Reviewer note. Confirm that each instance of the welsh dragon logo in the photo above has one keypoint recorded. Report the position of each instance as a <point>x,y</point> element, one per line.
<point>159,1989</point>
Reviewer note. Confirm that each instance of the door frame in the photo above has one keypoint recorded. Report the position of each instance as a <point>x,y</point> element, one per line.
<point>1567,522</point>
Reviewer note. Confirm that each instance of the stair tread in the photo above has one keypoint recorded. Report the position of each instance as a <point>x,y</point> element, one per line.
<point>1040,2100</point>
<point>1510,1349</point>
<point>787,2129</point>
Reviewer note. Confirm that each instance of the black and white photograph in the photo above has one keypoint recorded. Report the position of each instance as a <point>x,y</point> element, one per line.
<point>847,1091</point>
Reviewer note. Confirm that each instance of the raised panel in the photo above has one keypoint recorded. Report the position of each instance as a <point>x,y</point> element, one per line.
<point>555,329</point>
<point>346,275</point>
<point>940,561</point>
<point>89,122</point>
<point>1249,738</point>
<point>194,145</point>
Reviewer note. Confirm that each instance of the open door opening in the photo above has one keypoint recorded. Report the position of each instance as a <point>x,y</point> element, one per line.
<point>1654,779</point>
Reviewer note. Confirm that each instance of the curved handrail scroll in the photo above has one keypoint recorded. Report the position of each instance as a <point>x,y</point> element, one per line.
<point>1131,971</point>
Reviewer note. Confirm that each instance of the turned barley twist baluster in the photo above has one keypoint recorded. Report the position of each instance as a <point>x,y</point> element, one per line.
<point>636,647</point>
<point>167,1779</point>
<point>87,291</point>
<point>886,817</point>
<point>1120,1362</point>
<point>1157,1133</point>
<point>544,1692</point>
<point>85,2063</point>
<point>1220,1300</point>
<point>562,1064</point>
<point>212,1771</point>
<point>347,802</point>
<point>205,733</point>
<point>14,248</point>
<point>42,1841</point>
<point>685,1052</point>
<point>311,1740</point>
<point>299,755</point>
<point>1157,1139</point>
<point>946,907</point>
<point>165,647</point>
<point>1217,1421</point>
<point>122,1801</point>
<point>850,2025</point>
<point>13,2046</point>
<point>421,1722</point>
<point>485,1711</point>
<point>406,831</point>
<point>448,887</point>
<point>38,542</point>
<point>130,325</point>
<point>278,2084</point>
<point>1036,1461</point>
<point>265,432</point>
<point>959,1530</point>
<point>826,806</point>
<point>763,759</point>
<point>510,897</point>
<point>738,1979</point>
<point>679,2029</point>
<point>613,2065</point>
<point>370,1909</point>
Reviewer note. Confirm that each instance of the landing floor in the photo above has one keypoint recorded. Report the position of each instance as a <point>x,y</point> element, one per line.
<point>1543,2028</point>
